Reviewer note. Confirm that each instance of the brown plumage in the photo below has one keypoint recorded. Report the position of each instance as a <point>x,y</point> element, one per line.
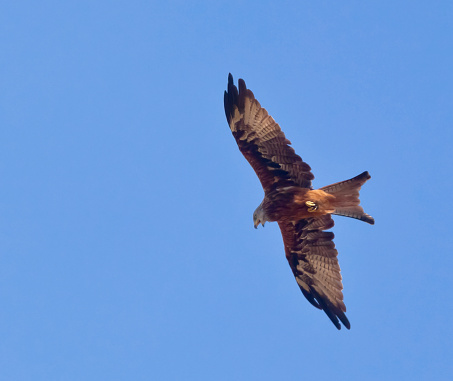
<point>302,213</point>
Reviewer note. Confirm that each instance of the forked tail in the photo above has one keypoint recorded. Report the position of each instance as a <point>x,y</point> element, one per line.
<point>347,201</point>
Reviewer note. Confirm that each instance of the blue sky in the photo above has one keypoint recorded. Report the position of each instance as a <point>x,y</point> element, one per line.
<point>127,248</point>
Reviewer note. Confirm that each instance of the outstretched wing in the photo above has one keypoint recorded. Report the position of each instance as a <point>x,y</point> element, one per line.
<point>262,142</point>
<point>312,256</point>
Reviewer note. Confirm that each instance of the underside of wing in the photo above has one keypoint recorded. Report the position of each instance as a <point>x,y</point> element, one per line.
<point>262,142</point>
<point>312,257</point>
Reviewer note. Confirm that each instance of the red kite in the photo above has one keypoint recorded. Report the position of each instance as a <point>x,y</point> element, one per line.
<point>303,213</point>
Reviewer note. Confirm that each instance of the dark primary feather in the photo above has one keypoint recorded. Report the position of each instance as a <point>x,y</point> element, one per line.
<point>312,256</point>
<point>262,142</point>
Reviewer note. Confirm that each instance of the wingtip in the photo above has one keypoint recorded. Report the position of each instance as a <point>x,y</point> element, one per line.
<point>367,218</point>
<point>335,314</point>
<point>346,323</point>
<point>242,86</point>
<point>230,97</point>
<point>344,320</point>
<point>235,96</point>
<point>364,175</point>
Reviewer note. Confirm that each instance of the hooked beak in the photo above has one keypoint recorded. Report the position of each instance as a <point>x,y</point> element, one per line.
<point>257,223</point>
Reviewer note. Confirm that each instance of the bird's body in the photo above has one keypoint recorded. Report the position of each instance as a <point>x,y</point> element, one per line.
<point>290,203</point>
<point>303,213</point>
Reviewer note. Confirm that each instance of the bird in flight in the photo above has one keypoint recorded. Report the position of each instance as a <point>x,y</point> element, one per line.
<point>302,213</point>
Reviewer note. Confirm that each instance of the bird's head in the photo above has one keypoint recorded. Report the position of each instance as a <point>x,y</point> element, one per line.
<point>259,216</point>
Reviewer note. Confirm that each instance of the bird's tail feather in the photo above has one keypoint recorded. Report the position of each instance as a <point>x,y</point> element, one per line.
<point>347,201</point>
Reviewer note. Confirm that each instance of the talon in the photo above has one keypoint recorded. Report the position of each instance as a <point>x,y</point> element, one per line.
<point>311,206</point>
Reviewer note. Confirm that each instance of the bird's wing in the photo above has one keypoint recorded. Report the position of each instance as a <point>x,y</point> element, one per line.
<point>262,142</point>
<point>313,259</point>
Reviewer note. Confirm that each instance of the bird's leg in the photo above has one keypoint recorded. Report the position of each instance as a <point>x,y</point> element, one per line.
<point>311,206</point>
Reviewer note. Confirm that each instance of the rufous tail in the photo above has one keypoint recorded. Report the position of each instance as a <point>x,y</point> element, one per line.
<point>347,201</point>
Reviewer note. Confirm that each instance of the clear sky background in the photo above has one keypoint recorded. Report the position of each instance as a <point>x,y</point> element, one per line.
<point>127,248</point>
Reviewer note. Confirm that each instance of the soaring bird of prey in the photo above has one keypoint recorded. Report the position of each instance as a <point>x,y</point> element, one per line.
<point>302,213</point>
